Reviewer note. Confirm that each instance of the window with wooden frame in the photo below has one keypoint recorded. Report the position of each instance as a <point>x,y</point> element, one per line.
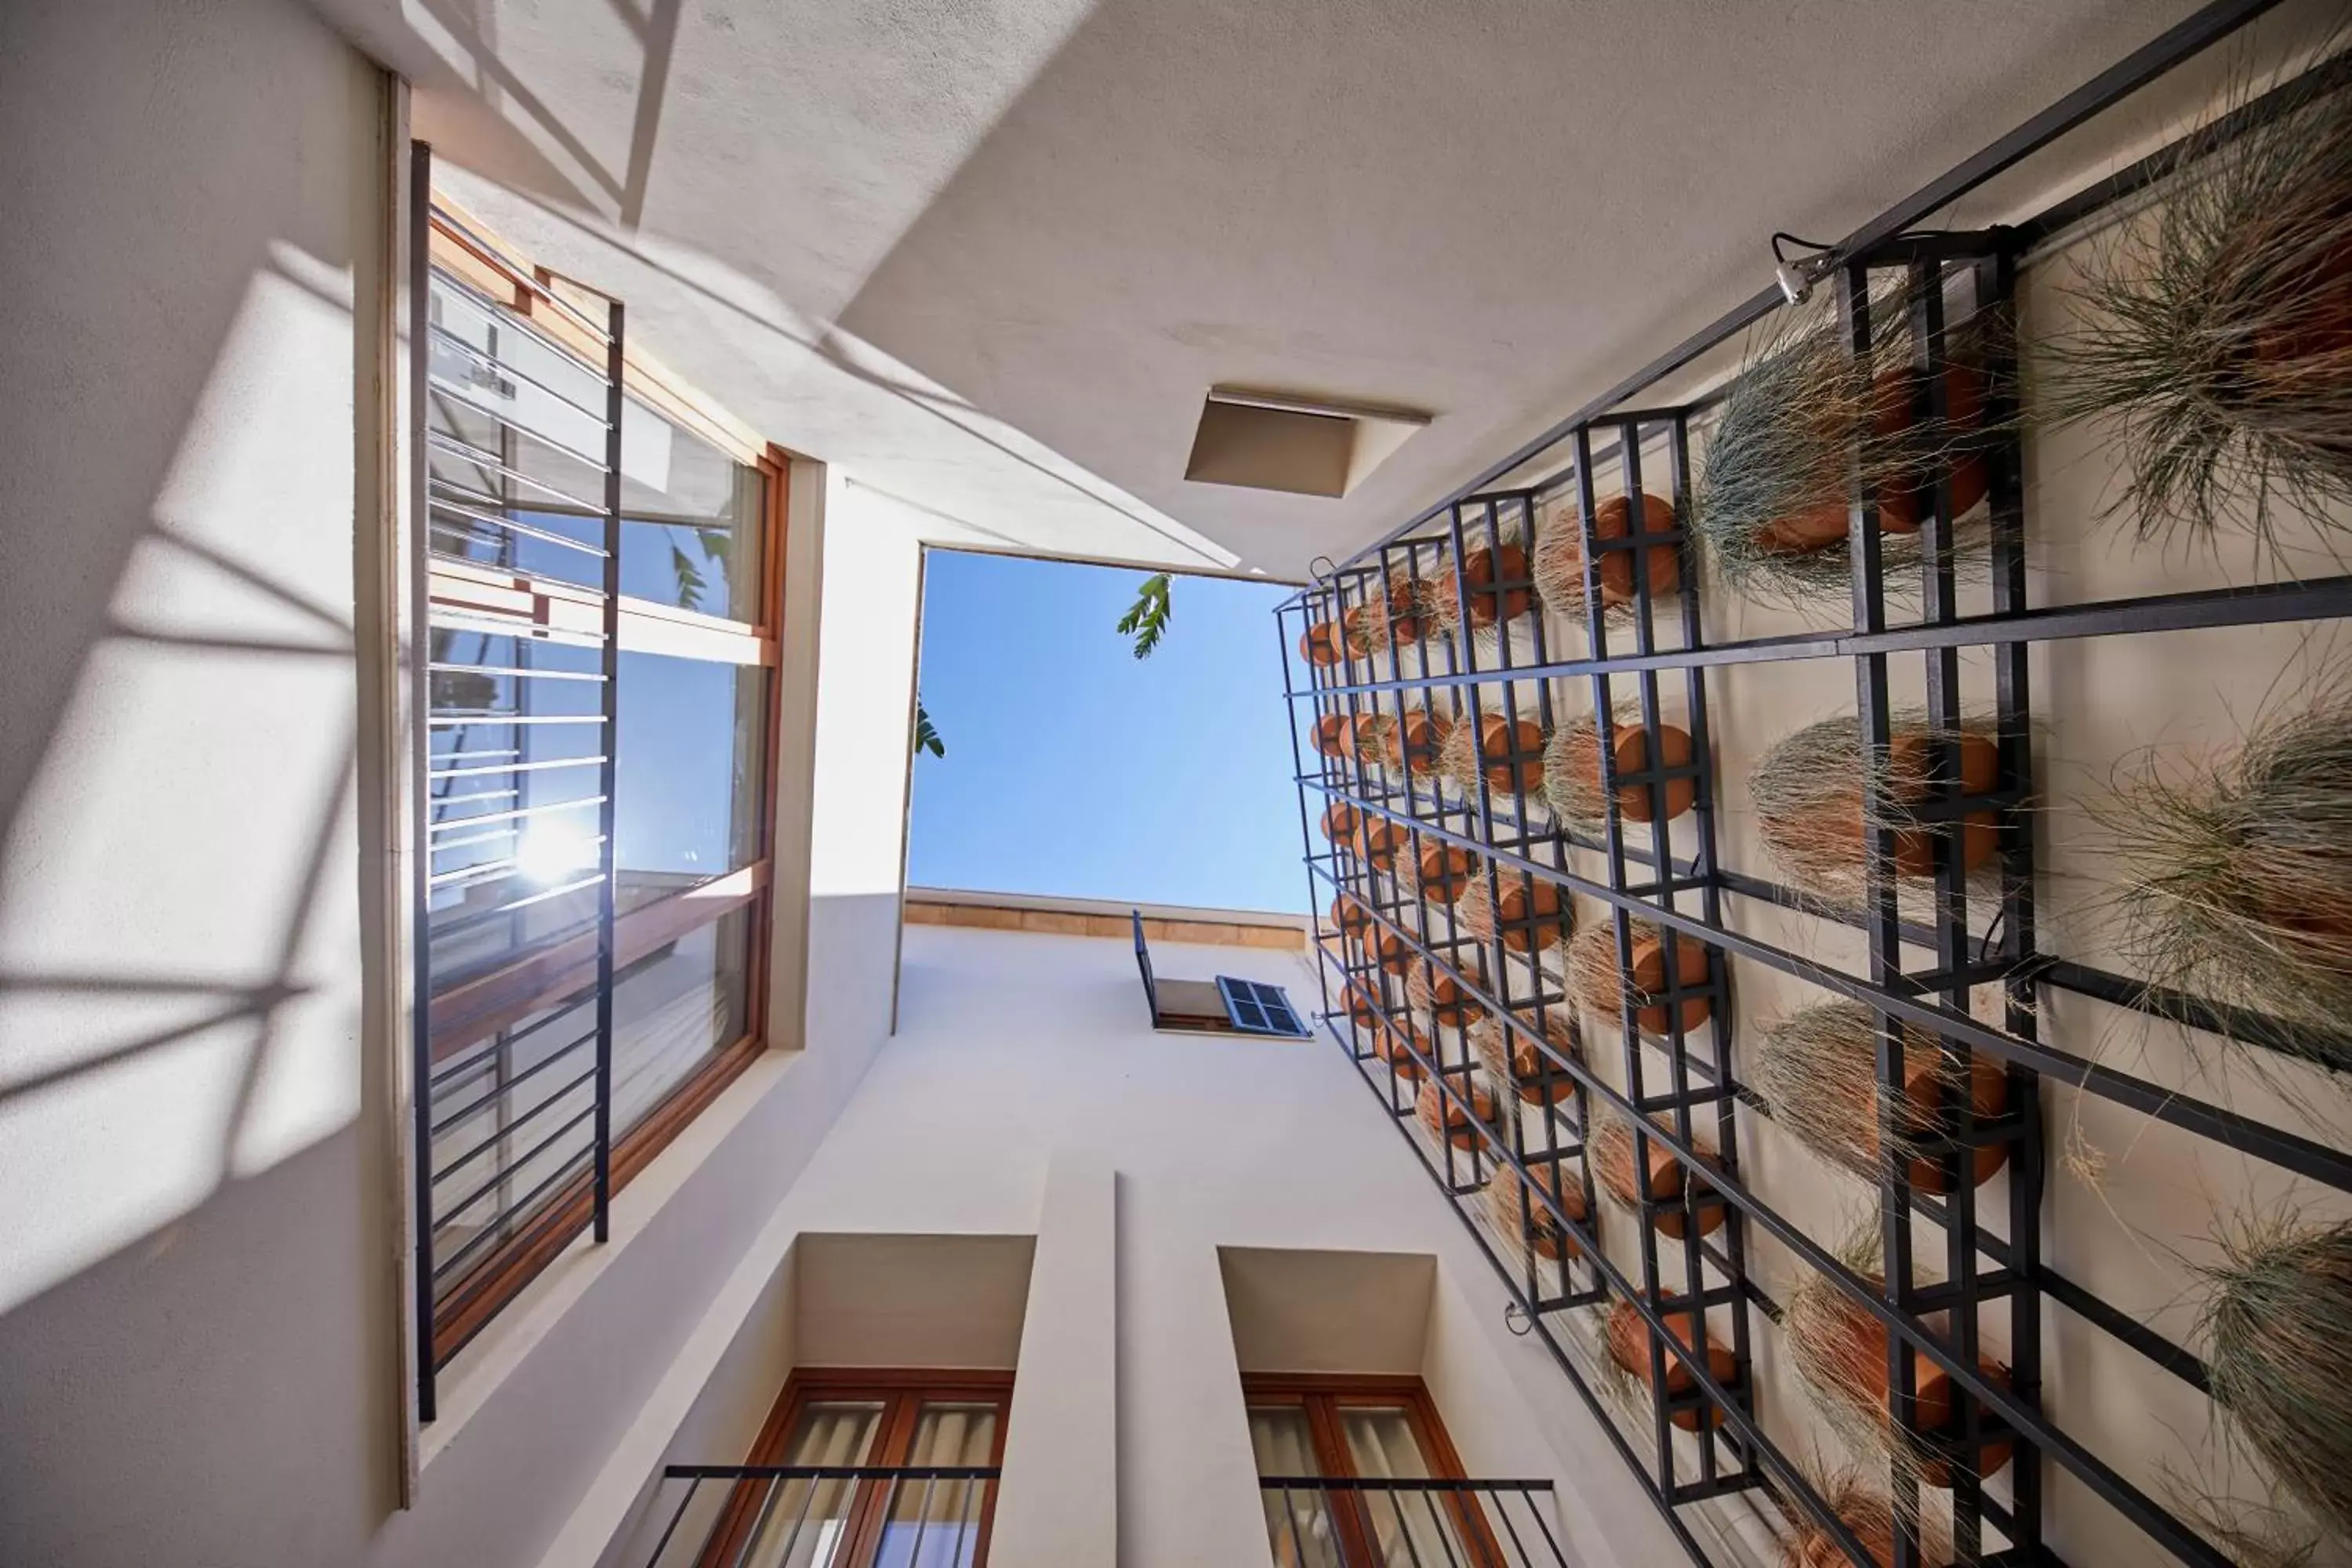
<point>867,1468</point>
<point>599,591</point>
<point>1316,1435</point>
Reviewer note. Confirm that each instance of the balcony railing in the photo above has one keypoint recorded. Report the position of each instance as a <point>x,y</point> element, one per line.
<point>824,1516</point>
<point>1322,1522</point>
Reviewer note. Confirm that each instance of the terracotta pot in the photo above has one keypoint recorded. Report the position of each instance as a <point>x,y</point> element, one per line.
<point>1458,1128</point>
<point>1500,741</point>
<point>1532,914</point>
<point>1483,569</point>
<point>1987,1097</point>
<point>1505,565</point>
<point>1389,1044</point>
<point>1901,508</point>
<point>1424,735</point>
<point>1612,1167</point>
<point>2321,325</point>
<point>1431,991</point>
<point>1559,554</point>
<point>1809,1546</point>
<point>1391,951</point>
<point>1379,841</point>
<point>1631,754</point>
<point>1335,735</point>
<point>1650,979</point>
<point>1349,917</point>
<point>1915,848</point>
<point>1980,840</point>
<point>1443,871</point>
<point>1543,1233</point>
<point>1612,1153</point>
<point>1341,822</point>
<point>1363,1005</point>
<point>1526,1067</point>
<point>1377,741</point>
<point>1629,1347</point>
<point>1857,1353</point>
<point>1612,519</point>
<point>1323,644</point>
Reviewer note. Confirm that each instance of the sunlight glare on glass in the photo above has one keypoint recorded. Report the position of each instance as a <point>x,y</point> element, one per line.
<point>550,855</point>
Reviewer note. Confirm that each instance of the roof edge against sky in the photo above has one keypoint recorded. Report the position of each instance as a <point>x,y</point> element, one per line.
<point>1101,917</point>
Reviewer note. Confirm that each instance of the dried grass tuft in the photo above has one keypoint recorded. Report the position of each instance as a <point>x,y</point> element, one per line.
<point>1833,1344</point>
<point>1597,982</point>
<point>1817,1071</point>
<point>1814,802</point>
<point>1512,1059</point>
<point>2236,881</point>
<point>1571,770</point>
<point>2218,344</point>
<point>1864,1509</point>
<point>1802,422</point>
<point>1837,1350</point>
<point>2278,1330</point>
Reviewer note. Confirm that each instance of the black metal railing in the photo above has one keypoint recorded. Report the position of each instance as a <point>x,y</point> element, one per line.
<point>1315,1521</point>
<point>1461,649</point>
<point>822,1516</point>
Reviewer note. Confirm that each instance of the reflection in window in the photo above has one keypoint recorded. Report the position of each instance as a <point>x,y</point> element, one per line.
<point>692,742</point>
<point>513,1114</point>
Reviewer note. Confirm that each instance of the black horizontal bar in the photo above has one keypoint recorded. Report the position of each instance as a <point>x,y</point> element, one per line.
<point>472,1108</point>
<point>1401,1484</point>
<point>833,1472</point>
<point>2280,1148</point>
<point>2322,598</point>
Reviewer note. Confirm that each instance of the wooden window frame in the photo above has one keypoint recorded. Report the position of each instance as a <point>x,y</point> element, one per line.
<point>464,1014</point>
<point>1321,1396</point>
<point>902,1392</point>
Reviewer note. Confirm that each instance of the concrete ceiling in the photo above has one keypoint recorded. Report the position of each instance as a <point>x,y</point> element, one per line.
<point>989,255</point>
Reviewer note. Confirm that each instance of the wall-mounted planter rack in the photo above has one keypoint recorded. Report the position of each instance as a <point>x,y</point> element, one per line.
<point>1650,1125</point>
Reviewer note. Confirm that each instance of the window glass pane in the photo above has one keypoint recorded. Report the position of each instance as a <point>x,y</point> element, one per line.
<point>673,1008</point>
<point>1381,1443</point>
<point>691,752</point>
<point>1298,1521</point>
<point>519,432</point>
<point>803,1522</point>
<point>934,1524</point>
<point>512,1130</point>
<point>1406,1526</point>
<point>691,519</point>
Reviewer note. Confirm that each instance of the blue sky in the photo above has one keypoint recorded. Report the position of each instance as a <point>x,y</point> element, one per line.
<point>1074,768</point>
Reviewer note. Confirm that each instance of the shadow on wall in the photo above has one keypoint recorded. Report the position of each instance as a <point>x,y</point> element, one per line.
<point>179,1072</point>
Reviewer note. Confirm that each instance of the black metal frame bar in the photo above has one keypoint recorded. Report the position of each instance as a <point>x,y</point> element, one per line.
<point>775,1479</point>
<point>1460,1497</point>
<point>1992,1274</point>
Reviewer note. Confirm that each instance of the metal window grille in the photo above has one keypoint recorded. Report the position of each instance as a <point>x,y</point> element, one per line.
<point>514,755</point>
<point>1710,1440</point>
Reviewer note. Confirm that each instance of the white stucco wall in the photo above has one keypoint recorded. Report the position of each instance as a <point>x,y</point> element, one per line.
<point>200,1322</point>
<point>1023,1066</point>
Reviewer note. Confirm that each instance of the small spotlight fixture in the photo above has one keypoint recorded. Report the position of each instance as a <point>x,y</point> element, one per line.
<point>1798,276</point>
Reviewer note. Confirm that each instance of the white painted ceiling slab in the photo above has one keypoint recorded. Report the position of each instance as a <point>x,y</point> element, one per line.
<point>989,256</point>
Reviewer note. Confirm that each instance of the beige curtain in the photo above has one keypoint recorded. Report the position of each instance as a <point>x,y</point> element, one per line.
<point>936,1523</point>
